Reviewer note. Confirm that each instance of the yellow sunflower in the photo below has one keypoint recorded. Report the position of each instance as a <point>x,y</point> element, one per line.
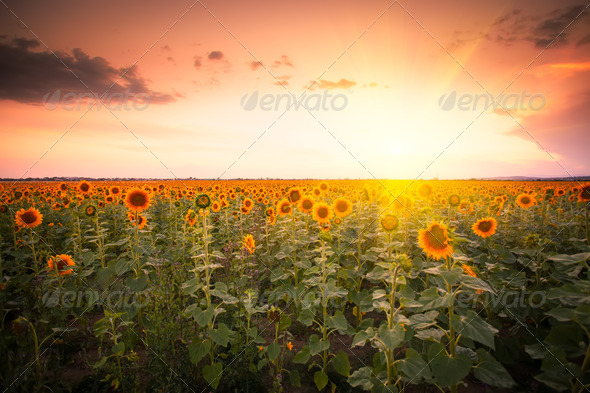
<point>306,204</point>
<point>249,243</point>
<point>584,194</point>
<point>284,207</point>
<point>59,263</point>
<point>389,222</point>
<point>29,218</point>
<point>342,207</point>
<point>485,227</point>
<point>525,201</point>
<point>137,200</point>
<point>434,241</point>
<point>322,213</point>
<point>84,187</point>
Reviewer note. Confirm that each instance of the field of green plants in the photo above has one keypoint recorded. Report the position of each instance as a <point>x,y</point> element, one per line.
<point>295,286</point>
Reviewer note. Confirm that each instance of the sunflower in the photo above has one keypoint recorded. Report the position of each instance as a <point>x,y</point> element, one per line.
<point>137,200</point>
<point>115,190</point>
<point>323,187</point>
<point>141,221</point>
<point>59,263</point>
<point>389,222</point>
<point>3,208</point>
<point>425,190</point>
<point>28,218</point>
<point>249,243</point>
<point>294,195</point>
<point>284,207</point>
<point>454,200</point>
<point>342,207</point>
<point>216,206</point>
<point>306,204</point>
<point>248,203</point>
<point>191,217</point>
<point>203,201</point>
<point>434,241</point>
<point>525,201</point>
<point>584,194</point>
<point>90,210</point>
<point>270,211</point>
<point>63,187</point>
<point>272,219</point>
<point>84,187</point>
<point>322,213</point>
<point>485,227</point>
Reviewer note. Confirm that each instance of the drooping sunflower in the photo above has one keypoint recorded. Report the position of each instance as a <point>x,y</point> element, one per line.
<point>485,227</point>
<point>203,201</point>
<point>322,213</point>
<point>191,217</point>
<point>389,222</point>
<point>434,241</point>
<point>584,195</point>
<point>306,204</point>
<point>525,201</point>
<point>84,187</point>
<point>29,218</point>
<point>342,207</point>
<point>284,207</point>
<point>59,264</point>
<point>294,195</point>
<point>137,200</point>
<point>249,243</point>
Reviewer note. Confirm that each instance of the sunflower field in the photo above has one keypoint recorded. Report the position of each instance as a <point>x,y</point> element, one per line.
<point>295,286</point>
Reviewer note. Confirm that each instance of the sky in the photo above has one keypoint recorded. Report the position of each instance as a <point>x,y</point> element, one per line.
<point>332,89</point>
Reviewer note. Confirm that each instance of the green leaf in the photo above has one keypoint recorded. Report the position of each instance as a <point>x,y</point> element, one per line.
<point>316,345</point>
<point>448,370</point>
<point>273,351</point>
<point>491,372</point>
<point>212,374</point>
<point>119,349</point>
<point>203,317</point>
<point>433,334</point>
<point>556,382</point>
<point>302,356</point>
<point>478,330</point>
<point>294,378</point>
<point>561,314</point>
<point>361,337</point>
<point>137,284</point>
<point>422,321</point>
<point>414,367</point>
<point>391,337</point>
<point>220,335</point>
<point>362,378</point>
<point>341,364</point>
<point>198,350</point>
<point>306,317</point>
<point>338,322</point>
<point>321,379</point>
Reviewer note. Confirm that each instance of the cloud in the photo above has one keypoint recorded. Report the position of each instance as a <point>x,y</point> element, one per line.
<point>254,65</point>
<point>341,84</point>
<point>543,31</point>
<point>27,76</point>
<point>584,40</point>
<point>283,80</point>
<point>198,62</point>
<point>284,60</point>
<point>215,55</point>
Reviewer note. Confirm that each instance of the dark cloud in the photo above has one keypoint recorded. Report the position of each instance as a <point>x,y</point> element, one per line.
<point>28,76</point>
<point>585,40</point>
<point>254,65</point>
<point>547,31</point>
<point>215,55</point>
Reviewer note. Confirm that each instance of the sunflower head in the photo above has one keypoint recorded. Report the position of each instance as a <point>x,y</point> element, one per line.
<point>525,201</point>
<point>29,218</point>
<point>435,241</point>
<point>90,210</point>
<point>584,194</point>
<point>322,213</point>
<point>203,201</point>
<point>485,227</point>
<point>137,200</point>
<point>294,195</point>
<point>284,207</point>
<point>59,264</point>
<point>389,222</point>
<point>454,200</point>
<point>342,207</point>
<point>306,204</point>
<point>249,243</point>
<point>84,187</point>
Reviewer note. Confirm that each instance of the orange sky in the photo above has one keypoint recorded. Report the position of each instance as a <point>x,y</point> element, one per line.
<point>388,89</point>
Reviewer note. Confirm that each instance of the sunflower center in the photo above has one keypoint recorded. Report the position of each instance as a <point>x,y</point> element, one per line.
<point>341,206</point>
<point>485,226</point>
<point>84,187</point>
<point>322,212</point>
<point>525,200</point>
<point>585,194</point>
<point>437,238</point>
<point>28,217</point>
<point>294,196</point>
<point>137,200</point>
<point>307,204</point>
<point>60,264</point>
<point>285,208</point>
